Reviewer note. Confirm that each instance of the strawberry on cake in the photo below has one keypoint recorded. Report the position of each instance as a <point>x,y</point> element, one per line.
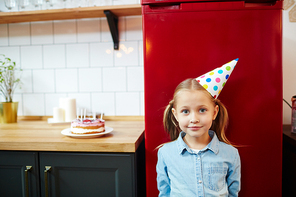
<point>87,126</point>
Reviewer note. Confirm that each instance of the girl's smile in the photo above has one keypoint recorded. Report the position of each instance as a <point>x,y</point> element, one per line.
<point>195,112</point>
<point>194,128</point>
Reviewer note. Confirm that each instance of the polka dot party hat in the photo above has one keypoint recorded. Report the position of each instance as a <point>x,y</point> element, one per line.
<point>215,80</point>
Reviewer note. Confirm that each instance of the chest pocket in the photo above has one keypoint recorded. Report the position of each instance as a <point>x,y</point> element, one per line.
<point>215,176</point>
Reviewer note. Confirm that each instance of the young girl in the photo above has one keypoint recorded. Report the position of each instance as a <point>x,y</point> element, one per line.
<point>200,160</point>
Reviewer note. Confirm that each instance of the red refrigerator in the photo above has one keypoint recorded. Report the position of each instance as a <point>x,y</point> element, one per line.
<point>184,39</point>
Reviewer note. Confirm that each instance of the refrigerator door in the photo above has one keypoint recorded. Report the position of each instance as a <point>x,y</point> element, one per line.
<point>186,40</point>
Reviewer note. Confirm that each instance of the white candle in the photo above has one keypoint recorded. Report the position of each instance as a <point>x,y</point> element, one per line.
<point>58,114</point>
<point>62,106</point>
<point>102,115</point>
<point>70,109</point>
<point>77,116</point>
<point>81,115</point>
<point>94,115</point>
<point>84,112</point>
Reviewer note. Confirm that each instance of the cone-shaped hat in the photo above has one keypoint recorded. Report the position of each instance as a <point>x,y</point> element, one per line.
<point>215,80</point>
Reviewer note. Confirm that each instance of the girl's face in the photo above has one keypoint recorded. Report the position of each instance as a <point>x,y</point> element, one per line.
<point>195,112</point>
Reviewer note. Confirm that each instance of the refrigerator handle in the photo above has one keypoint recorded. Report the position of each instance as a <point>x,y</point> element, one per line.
<point>164,7</point>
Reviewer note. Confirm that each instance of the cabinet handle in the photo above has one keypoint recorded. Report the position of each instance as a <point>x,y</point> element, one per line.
<point>47,169</point>
<point>28,168</point>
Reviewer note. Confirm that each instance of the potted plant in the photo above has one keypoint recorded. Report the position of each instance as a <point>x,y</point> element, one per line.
<point>9,80</point>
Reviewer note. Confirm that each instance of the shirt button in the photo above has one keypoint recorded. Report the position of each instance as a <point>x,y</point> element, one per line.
<point>198,158</point>
<point>199,181</point>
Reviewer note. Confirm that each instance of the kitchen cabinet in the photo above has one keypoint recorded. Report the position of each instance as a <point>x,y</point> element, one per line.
<point>19,174</point>
<point>71,174</point>
<point>289,160</point>
<point>37,160</point>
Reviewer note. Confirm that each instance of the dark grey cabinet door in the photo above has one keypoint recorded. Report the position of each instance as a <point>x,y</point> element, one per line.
<point>19,174</point>
<point>87,174</point>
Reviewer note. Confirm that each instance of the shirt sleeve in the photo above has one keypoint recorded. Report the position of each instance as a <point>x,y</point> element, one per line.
<point>163,181</point>
<point>234,176</point>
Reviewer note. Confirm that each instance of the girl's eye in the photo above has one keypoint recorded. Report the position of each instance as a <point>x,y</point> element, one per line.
<point>202,110</point>
<point>185,111</point>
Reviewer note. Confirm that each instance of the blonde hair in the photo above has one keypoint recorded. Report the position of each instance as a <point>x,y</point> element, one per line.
<point>171,125</point>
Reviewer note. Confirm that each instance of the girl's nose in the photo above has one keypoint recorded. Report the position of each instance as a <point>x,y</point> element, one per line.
<point>194,119</point>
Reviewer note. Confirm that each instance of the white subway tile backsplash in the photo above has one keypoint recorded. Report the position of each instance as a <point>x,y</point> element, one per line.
<point>43,81</point>
<point>75,58</point>
<point>82,101</point>
<point>135,79</point>
<point>114,79</point>
<point>101,54</point>
<point>127,104</point>
<point>88,30</point>
<point>134,28</point>
<point>26,85</point>
<point>54,56</point>
<point>103,103</point>
<point>105,31</point>
<point>142,104</point>
<point>122,28</point>
<point>42,32</point>
<point>31,57</point>
<point>127,55</point>
<point>51,101</point>
<point>64,31</point>
<point>3,35</point>
<point>13,53</point>
<point>90,79</point>
<point>66,80</point>
<point>33,105</point>
<point>141,53</point>
<point>19,33</point>
<point>77,55</point>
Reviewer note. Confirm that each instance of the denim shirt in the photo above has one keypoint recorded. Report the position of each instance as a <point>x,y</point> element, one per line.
<point>213,171</point>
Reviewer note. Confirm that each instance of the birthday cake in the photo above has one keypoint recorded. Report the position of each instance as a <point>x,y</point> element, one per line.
<point>87,126</point>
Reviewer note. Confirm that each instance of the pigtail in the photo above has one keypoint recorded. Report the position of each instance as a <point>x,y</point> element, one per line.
<point>221,122</point>
<point>170,123</point>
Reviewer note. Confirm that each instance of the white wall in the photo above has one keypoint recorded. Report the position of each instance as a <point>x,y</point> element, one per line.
<point>289,63</point>
<point>75,58</point>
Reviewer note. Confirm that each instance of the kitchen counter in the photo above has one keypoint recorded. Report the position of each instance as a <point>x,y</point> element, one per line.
<point>54,164</point>
<point>41,136</point>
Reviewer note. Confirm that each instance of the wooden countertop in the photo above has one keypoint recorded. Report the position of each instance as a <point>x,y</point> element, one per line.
<point>41,136</point>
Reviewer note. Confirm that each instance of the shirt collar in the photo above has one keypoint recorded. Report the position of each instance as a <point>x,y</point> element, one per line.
<point>213,145</point>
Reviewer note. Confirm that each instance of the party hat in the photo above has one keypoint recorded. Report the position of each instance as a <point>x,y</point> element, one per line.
<point>215,80</point>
